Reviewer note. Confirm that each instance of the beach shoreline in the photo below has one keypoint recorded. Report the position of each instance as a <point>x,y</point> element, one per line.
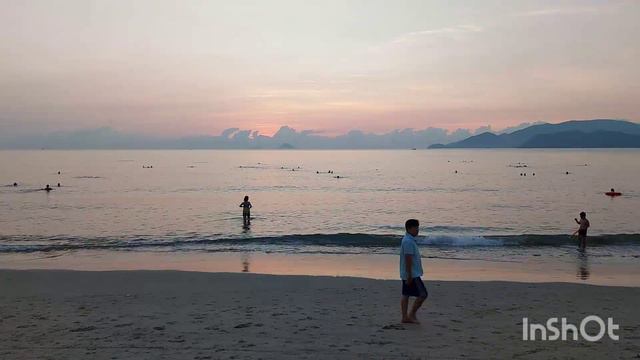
<point>174,314</point>
<point>580,268</point>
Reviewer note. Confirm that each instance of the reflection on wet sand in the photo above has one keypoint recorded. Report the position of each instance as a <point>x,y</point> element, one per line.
<point>376,266</point>
<point>583,265</point>
<point>245,262</point>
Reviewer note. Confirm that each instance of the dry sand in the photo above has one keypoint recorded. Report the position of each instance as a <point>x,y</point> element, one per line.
<point>189,315</point>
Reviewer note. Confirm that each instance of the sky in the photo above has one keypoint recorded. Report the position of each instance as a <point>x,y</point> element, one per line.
<point>183,68</point>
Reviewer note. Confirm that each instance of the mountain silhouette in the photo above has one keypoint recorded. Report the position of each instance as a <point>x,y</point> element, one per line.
<point>570,134</point>
<point>581,139</point>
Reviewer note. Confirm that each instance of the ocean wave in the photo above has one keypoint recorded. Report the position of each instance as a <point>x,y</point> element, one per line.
<point>451,229</point>
<point>192,241</point>
<point>459,240</point>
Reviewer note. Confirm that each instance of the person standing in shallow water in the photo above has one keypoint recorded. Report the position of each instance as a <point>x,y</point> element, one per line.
<point>246,211</point>
<point>410,272</point>
<point>582,230</point>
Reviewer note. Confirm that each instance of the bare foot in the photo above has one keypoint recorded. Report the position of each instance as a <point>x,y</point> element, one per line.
<point>414,319</point>
<point>410,321</point>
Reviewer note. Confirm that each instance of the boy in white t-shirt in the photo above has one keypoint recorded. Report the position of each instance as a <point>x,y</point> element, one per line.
<point>410,272</point>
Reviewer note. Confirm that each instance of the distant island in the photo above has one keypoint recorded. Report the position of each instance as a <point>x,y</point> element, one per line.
<point>286,146</point>
<point>599,133</point>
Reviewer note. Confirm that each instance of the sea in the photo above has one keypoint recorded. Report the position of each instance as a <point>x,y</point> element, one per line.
<point>488,206</point>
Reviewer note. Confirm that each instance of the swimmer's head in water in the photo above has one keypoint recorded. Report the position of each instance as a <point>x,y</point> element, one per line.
<point>246,198</point>
<point>612,190</point>
<point>583,215</point>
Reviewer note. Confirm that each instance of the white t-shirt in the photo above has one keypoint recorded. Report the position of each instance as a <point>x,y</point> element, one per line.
<point>409,247</point>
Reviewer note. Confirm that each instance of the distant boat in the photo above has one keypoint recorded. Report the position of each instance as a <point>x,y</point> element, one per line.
<point>414,149</point>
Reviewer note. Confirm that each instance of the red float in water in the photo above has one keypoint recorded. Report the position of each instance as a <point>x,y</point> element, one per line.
<point>613,193</point>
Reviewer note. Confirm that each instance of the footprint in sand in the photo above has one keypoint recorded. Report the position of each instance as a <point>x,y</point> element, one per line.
<point>393,327</point>
<point>82,329</point>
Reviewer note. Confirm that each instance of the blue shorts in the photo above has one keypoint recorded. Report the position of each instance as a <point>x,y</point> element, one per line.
<point>416,289</point>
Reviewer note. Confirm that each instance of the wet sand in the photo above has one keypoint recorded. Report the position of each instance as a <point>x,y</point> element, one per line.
<point>584,270</point>
<point>46,314</point>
